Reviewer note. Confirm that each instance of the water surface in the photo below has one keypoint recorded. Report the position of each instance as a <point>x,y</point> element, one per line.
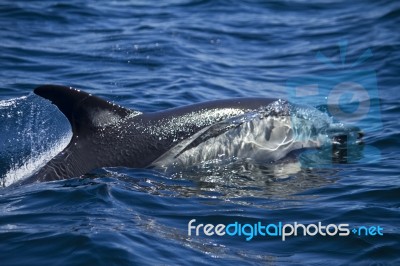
<point>151,57</point>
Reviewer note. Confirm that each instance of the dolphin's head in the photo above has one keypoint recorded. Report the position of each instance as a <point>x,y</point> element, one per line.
<point>335,138</point>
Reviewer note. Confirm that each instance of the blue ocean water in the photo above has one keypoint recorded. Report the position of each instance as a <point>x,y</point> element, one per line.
<point>153,56</point>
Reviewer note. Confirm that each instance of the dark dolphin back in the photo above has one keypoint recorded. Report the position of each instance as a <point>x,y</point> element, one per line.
<point>216,106</point>
<point>81,109</point>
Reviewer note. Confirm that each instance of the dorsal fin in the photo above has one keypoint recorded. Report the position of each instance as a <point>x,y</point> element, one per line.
<point>84,111</point>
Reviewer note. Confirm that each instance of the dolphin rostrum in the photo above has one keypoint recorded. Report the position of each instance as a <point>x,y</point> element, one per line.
<point>108,135</point>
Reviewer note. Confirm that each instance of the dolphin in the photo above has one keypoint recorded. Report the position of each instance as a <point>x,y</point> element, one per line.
<point>105,134</point>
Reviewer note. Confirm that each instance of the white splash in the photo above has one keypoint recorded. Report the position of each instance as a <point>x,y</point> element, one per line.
<point>33,163</point>
<point>11,102</point>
